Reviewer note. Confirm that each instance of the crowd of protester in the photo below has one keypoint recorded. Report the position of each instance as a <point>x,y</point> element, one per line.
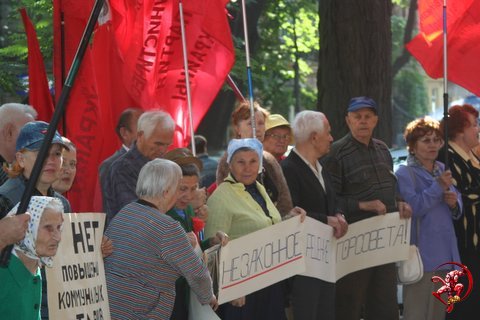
<point>154,196</point>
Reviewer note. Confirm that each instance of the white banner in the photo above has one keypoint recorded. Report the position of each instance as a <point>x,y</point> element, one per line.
<point>76,283</point>
<point>267,256</point>
<point>372,242</point>
<point>260,259</point>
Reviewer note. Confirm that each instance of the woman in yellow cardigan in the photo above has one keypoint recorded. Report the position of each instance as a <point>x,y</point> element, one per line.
<point>240,205</point>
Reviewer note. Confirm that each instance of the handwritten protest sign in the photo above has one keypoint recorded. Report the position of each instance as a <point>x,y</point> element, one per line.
<point>252,262</point>
<point>372,242</point>
<point>76,283</point>
<point>260,259</point>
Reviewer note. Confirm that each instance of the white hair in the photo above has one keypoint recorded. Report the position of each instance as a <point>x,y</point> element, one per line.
<point>10,111</point>
<point>156,177</point>
<point>55,205</point>
<point>150,119</point>
<point>305,123</point>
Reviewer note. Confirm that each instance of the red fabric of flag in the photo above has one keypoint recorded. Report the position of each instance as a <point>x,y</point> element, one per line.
<point>148,37</point>
<point>38,92</point>
<point>84,112</point>
<point>463,41</point>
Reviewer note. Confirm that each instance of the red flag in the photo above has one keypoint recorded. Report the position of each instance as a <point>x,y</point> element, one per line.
<point>88,114</point>
<point>463,41</point>
<point>148,38</point>
<point>38,93</point>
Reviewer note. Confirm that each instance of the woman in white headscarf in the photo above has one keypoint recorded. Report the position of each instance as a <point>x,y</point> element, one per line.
<point>21,288</point>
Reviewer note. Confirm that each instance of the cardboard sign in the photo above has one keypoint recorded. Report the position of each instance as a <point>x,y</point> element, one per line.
<point>76,282</point>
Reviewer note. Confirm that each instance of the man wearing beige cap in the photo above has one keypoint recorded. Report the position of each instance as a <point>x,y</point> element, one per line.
<point>278,135</point>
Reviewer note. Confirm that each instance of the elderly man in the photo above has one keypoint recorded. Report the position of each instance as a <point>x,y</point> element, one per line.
<point>278,135</point>
<point>126,130</point>
<point>12,118</point>
<point>154,135</point>
<point>362,174</point>
<point>311,190</point>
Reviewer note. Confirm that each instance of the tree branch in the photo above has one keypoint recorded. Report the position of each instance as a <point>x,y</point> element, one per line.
<point>407,36</point>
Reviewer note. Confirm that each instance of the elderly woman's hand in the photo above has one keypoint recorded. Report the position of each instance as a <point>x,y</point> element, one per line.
<point>296,211</point>
<point>450,198</point>
<point>219,238</point>
<point>445,179</point>
<point>192,238</point>
<point>199,197</point>
<point>214,303</point>
<point>239,302</point>
<point>202,212</point>
<point>106,246</point>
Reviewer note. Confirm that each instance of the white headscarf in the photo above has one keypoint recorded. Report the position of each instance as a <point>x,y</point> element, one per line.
<point>27,246</point>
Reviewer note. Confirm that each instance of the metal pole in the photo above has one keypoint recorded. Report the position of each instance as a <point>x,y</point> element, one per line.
<point>445,82</point>
<point>249,69</point>
<point>187,76</point>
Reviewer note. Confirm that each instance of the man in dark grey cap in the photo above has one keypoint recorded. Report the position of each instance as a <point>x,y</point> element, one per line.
<point>362,175</point>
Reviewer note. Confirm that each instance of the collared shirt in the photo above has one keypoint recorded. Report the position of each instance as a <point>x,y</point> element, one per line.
<point>466,156</point>
<point>20,291</point>
<point>361,173</point>
<point>317,170</point>
<point>123,180</point>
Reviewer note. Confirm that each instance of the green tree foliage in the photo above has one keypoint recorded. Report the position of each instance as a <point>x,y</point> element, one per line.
<point>410,99</point>
<point>287,29</point>
<point>13,53</point>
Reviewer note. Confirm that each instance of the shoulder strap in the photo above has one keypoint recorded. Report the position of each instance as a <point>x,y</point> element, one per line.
<point>414,180</point>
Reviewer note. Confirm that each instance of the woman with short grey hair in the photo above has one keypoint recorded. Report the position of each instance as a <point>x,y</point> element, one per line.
<point>152,250</point>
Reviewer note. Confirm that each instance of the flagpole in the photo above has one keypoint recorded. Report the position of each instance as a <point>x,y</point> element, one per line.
<point>57,114</point>
<point>445,82</point>
<point>249,69</point>
<point>235,89</point>
<point>187,76</point>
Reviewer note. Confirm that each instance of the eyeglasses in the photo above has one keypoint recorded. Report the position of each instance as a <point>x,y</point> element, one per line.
<point>278,136</point>
<point>431,141</point>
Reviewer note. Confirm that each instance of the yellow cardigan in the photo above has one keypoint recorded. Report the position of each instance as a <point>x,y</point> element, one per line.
<point>233,210</point>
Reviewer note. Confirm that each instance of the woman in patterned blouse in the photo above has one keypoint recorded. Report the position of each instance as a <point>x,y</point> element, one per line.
<point>463,132</point>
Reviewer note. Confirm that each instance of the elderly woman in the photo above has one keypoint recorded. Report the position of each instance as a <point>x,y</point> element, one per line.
<point>435,202</point>
<point>28,144</point>
<point>463,133</point>
<point>271,176</point>
<point>21,281</point>
<point>252,210</point>
<point>278,135</point>
<point>152,250</point>
<point>185,213</point>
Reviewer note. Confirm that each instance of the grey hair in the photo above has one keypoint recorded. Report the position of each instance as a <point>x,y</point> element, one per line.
<point>56,205</point>
<point>9,111</point>
<point>150,119</point>
<point>156,177</point>
<point>305,123</point>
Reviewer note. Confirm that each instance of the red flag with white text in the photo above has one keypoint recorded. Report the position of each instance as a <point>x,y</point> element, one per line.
<point>463,41</point>
<point>148,38</point>
<point>38,92</point>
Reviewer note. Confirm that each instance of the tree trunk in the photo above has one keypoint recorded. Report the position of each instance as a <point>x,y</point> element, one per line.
<point>355,60</point>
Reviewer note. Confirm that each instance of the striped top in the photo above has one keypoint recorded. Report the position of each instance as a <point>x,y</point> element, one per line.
<point>151,252</point>
<point>361,173</point>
